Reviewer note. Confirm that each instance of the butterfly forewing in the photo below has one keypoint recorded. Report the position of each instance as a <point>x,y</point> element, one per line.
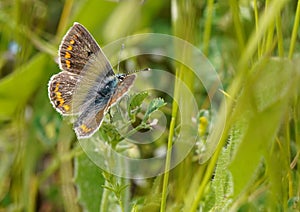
<point>87,85</point>
<point>76,48</point>
<point>98,74</point>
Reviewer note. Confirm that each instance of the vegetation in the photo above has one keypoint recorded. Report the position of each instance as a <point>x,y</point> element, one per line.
<point>245,156</point>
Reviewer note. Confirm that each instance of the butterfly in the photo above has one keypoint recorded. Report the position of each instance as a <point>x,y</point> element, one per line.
<point>87,85</point>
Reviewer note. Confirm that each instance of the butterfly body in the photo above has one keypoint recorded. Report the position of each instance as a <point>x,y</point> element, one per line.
<point>86,86</point>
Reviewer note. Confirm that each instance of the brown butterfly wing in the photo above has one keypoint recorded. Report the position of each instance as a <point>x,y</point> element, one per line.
<point>89,125</point>
<point>123,87</point>
<point>90,120</point>
<point>76,48</point>
<point>60,89</point>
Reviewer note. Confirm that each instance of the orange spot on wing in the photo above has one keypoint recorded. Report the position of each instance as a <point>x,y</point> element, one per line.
<point>68,63</point>
<point>56,87</point>
<point>72,41</point>
<point>58,95</point>
<point>67,55</point>
<point>66,107</point>
<point>69,48</point>
<point>61,103</point>
<point>85,129</point>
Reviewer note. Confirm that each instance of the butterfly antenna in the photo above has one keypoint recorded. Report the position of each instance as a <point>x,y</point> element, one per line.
<point>135,71</point>
<point>119,59</point>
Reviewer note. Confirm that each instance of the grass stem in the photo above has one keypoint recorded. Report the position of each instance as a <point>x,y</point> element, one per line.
<point>295,31</point>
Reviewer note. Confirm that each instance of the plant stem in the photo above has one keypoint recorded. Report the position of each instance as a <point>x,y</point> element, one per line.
<point>64,18</point>
<point>66,170</point>
<point>295,31</point>
<point>104,200</point>
<point>167,166</point>
<point>237,24</point>
<point>274,8</point>
<point>256,26</point>
<point>279,36</point>
<point>207,28</point>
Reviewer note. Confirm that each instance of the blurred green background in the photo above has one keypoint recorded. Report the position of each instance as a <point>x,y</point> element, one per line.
<point>254,46</point>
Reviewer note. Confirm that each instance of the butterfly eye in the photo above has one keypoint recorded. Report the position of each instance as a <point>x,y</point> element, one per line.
<point>121,77</point>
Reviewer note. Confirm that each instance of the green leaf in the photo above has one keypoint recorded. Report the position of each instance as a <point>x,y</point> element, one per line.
<point>135,104</point>
<point>110,134</point>
<point>89,181</point>
<point>154,105</point>
<point>124,18</point>
<point>222,183</point>
<point>259,111</point>
<point>137,100</point>
<point>17,88</point>
<point>152,200</point>
<point>100,11</point>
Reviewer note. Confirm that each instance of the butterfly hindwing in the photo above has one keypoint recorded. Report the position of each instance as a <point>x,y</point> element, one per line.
<point>89,123</point>
<point>60,89</point>
<point>96,106</point>
<point>90,120</point>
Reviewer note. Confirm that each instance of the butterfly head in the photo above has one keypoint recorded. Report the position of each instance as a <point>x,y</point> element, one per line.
<point>121,77</point>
